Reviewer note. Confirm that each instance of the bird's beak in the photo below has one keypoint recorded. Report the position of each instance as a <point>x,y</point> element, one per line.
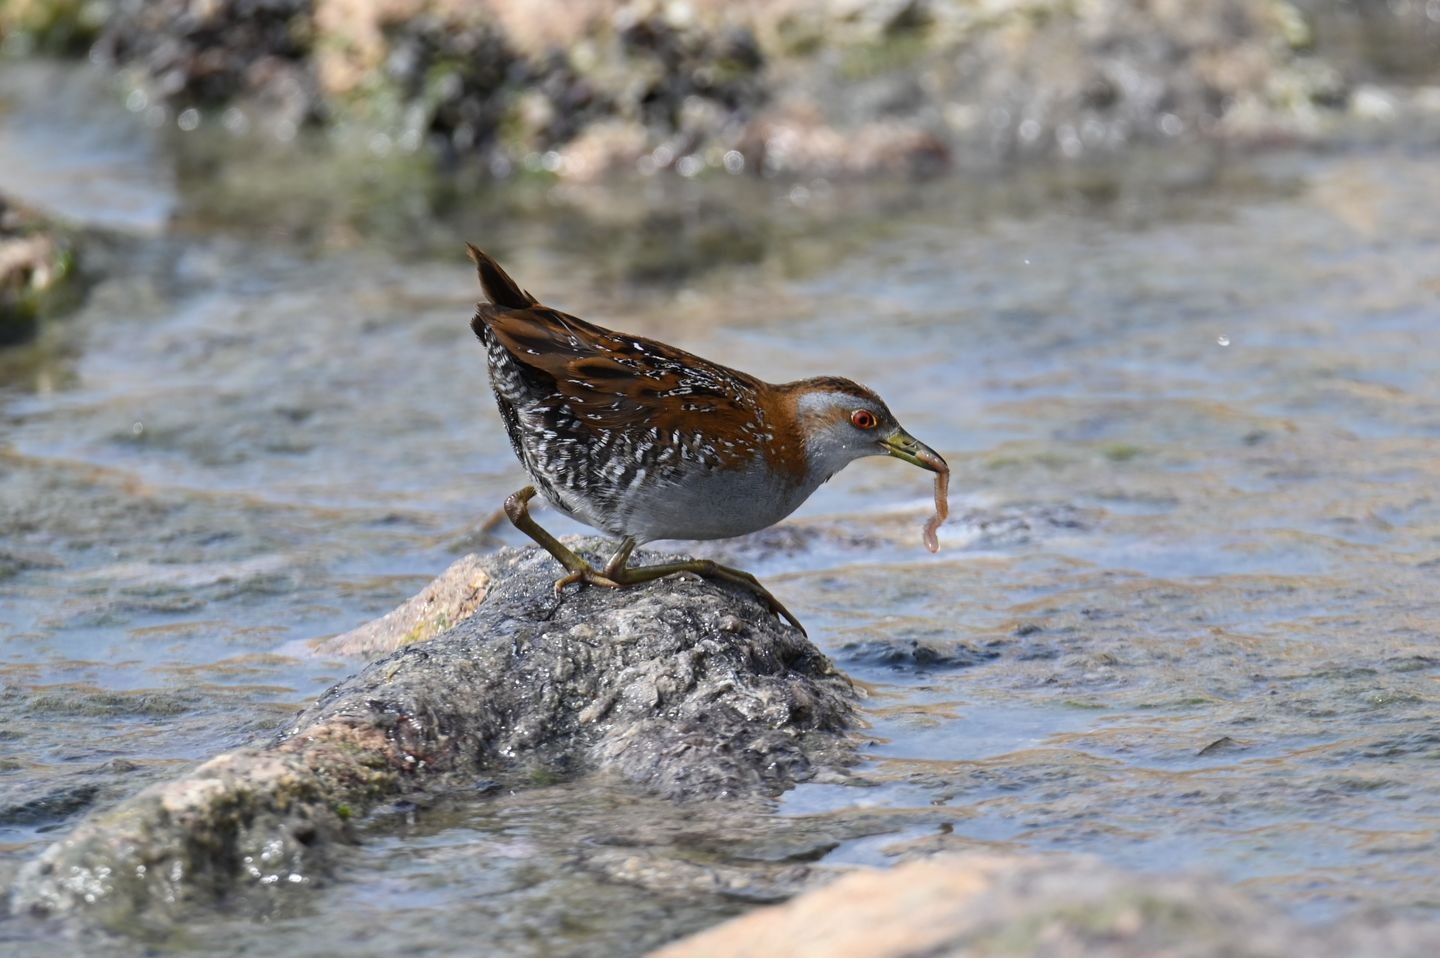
<point>902,445</point>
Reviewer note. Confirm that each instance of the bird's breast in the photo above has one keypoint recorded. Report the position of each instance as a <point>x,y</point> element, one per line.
<point>711,503</point>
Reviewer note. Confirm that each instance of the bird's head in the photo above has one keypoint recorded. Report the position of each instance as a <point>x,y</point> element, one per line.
<point>842,421</point>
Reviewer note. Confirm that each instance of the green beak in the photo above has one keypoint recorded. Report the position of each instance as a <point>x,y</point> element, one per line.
<point>902,445</point>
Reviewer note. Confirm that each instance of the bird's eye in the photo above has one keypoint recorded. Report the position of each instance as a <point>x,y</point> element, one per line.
<point>863,419</point>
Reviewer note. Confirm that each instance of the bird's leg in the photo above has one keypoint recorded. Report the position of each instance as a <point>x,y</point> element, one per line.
<point>617,571</point>
<point>618,574</point>
<point>616,565</point>
<point>517,507</point>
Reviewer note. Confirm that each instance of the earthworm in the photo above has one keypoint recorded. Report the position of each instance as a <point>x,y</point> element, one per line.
<point>942,509</point>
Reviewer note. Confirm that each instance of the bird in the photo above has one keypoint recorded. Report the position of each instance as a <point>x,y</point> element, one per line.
<point>643,441</point>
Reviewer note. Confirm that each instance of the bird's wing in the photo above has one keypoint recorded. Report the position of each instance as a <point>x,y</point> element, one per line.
<point>613,380</point>
<point>616,380</point>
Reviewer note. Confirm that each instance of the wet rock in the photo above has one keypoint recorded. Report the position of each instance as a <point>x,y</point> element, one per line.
<point>450,599</point>
<point>662,874</point>
<point>805,88</point>
<point>924,655</point>
<point>986,904</point>
<point>1222,744</point>
<point>37,258</point>
<point>802,141</point>
<point>426,73</point>
<point>52,806</point>
<point>653,685</point>
<point>52,27</point>
<point>1077,80</point>
<point>1379,41</point>
<point>594,94</point>
<point>211,54</point>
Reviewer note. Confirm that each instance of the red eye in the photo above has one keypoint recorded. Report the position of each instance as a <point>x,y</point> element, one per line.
<point>863,419</point>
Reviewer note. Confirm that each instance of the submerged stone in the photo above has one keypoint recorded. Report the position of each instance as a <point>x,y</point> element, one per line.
<point>994,904</point>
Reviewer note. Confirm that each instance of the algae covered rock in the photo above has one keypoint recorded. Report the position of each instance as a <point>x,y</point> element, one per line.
<point>800,88</point>
<point>52,27</point>
<point>203,55</point>
<point>37,258</point>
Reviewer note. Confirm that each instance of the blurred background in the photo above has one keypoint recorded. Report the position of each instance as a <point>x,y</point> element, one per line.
<point>1160,279</point>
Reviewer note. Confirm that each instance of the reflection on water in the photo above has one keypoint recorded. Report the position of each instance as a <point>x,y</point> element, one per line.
<point>1187,621</point>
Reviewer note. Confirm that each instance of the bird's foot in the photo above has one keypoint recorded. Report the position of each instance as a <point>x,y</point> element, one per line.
<point>586,575</point>
<point>618,574</point>
<point>707,569</point>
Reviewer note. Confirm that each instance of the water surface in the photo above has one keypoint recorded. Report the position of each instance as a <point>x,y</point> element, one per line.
<point>1185,618</point>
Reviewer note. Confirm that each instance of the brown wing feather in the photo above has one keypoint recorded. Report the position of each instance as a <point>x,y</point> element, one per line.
<point>611,379</point>
<point>616,380</point>
<point>499,288</point>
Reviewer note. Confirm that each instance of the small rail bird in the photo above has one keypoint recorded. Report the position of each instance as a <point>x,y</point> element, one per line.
<point>644,441</point>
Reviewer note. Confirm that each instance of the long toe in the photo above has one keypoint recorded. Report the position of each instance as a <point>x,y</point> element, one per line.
<point>745,579</point>
<point>786,614</point>
<point>586,576</point>
<point>777,607</point>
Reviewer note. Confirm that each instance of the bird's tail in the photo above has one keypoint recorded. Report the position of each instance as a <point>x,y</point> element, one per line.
<point>499,288</point>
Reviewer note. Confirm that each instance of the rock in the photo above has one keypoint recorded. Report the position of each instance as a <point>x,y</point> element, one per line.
<point>52,27</point>
<point>213,54</point>
<point>803,88</point>
<point>986,904</point>
<point>36,259</point>
<point>904,653</point>
<point>450,599</point>
<point>803,142</point>
<point>1025,79</point>
<point>52,806</point>
<point>757,882</point>
<point>1397,41</point>
<point>655,685</point>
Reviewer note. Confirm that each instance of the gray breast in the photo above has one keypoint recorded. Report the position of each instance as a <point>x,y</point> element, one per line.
<point>710,503</point>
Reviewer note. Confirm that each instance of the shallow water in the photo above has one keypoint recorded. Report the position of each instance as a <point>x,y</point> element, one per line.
<point>1184,618</point>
